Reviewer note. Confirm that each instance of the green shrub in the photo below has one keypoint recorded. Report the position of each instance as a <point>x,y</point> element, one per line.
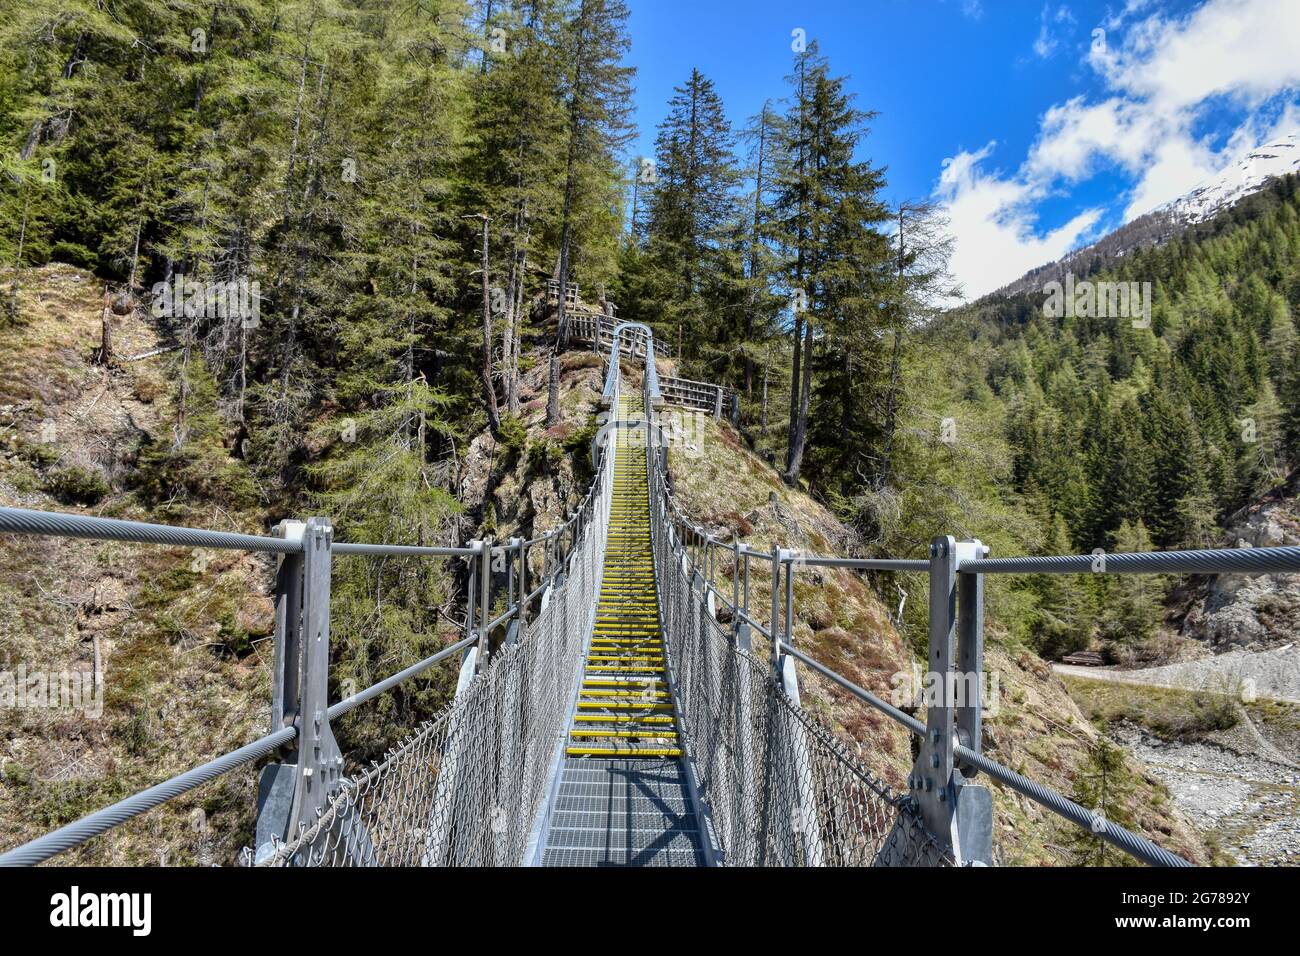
<point>40,454</point>
<point>72,484</point>
<point>514,437</point>
<point>74,254</point>
<point>545,456</point>
<point>202,469</point>
<point>578,446</point>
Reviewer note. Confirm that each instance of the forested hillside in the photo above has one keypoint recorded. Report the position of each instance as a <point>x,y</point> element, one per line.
<point>764,248</point>
<point>397,183</point>
<point>1099,433</point>
<point>389,187</point>
<point>394,189</point>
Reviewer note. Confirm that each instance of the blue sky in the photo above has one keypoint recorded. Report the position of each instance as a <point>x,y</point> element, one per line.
<point>1039,125</point>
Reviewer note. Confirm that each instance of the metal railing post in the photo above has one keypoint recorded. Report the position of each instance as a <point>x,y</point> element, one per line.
<point>522,545</point>
<point>970,651</point>
<point>933,769</point>
<point>288,630</point>
<point>789,596</point>
<point>746,584</point>
<point>278,783</point>
<point>958,815</point>
<point>484,601</point>
<point>471,588</point>
<point>735,582</point>
<point>508,559</point>
<point>320,764</point>
<point>775,622</point>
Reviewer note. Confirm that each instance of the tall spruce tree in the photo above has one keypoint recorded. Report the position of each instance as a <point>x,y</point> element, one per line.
<point>598,103</point>
<point>830,215</point>
<point>691,211</point>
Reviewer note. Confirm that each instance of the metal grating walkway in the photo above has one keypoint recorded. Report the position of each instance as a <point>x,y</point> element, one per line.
<point>623,797</point>
<point>623,813</point>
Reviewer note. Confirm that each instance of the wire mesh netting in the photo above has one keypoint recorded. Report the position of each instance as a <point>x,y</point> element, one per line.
<point>780,788</point>
<point>465,789</point>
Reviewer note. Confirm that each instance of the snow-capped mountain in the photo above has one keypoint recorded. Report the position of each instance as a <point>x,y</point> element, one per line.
<point>1248,175</point>
<point>1262,163</point>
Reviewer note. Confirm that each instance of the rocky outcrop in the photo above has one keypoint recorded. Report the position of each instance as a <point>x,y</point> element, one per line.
<point>1253,611</point>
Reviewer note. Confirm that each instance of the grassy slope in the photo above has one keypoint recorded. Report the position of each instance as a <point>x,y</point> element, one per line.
<point>842,622</point>
<point>181,633</point>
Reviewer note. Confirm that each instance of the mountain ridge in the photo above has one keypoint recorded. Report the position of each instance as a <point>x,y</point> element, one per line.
<point>1198,207</point>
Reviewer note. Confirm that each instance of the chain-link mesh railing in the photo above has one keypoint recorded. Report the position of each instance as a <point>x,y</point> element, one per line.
<point>465,789</point>
<point>780,789</point>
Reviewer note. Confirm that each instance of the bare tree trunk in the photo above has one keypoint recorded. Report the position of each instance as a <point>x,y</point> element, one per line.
<point>562,318</point>
<point>576,98</point>
<point>18,261</point>
<point>135,258</point>
<point>799,429</point>
<point>105,352</point>
<point>795,434</point>
<point>753,254</point>
<point>489,392</point>
<point>796,367</point>
<point>508,333</point>
<point>181,435</point>
<point>519,327</point>
<point>553,389</point>
<point>895,362</point>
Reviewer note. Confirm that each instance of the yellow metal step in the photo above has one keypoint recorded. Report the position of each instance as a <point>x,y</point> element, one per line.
<point>623,752</point>
<point>622,705</point>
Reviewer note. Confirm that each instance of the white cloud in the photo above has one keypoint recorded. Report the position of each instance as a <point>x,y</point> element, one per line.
<point>993,220</point>
<point>1048,40</point>
<point>1161,74</point>
<point>1075,135</point>
<point>1248,49</point>
<point>1174,166</point>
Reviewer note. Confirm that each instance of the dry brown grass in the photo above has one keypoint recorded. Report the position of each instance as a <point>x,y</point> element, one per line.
<point>181,634</point>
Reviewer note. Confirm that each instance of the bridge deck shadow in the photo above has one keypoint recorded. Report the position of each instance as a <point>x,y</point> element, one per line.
<point>623,813</point>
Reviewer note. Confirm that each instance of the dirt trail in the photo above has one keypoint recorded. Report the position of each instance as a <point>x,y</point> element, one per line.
<point>1273,674</point>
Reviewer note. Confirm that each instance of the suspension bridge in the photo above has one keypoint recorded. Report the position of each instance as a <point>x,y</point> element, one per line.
<point>608,716</point>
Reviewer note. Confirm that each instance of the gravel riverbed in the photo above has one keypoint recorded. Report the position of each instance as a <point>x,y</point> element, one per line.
<point>1249,803</point>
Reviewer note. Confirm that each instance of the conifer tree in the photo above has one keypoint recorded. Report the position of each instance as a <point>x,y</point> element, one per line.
<point>598,103</point>
<point>829,216</point>
<point>691,210</point>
